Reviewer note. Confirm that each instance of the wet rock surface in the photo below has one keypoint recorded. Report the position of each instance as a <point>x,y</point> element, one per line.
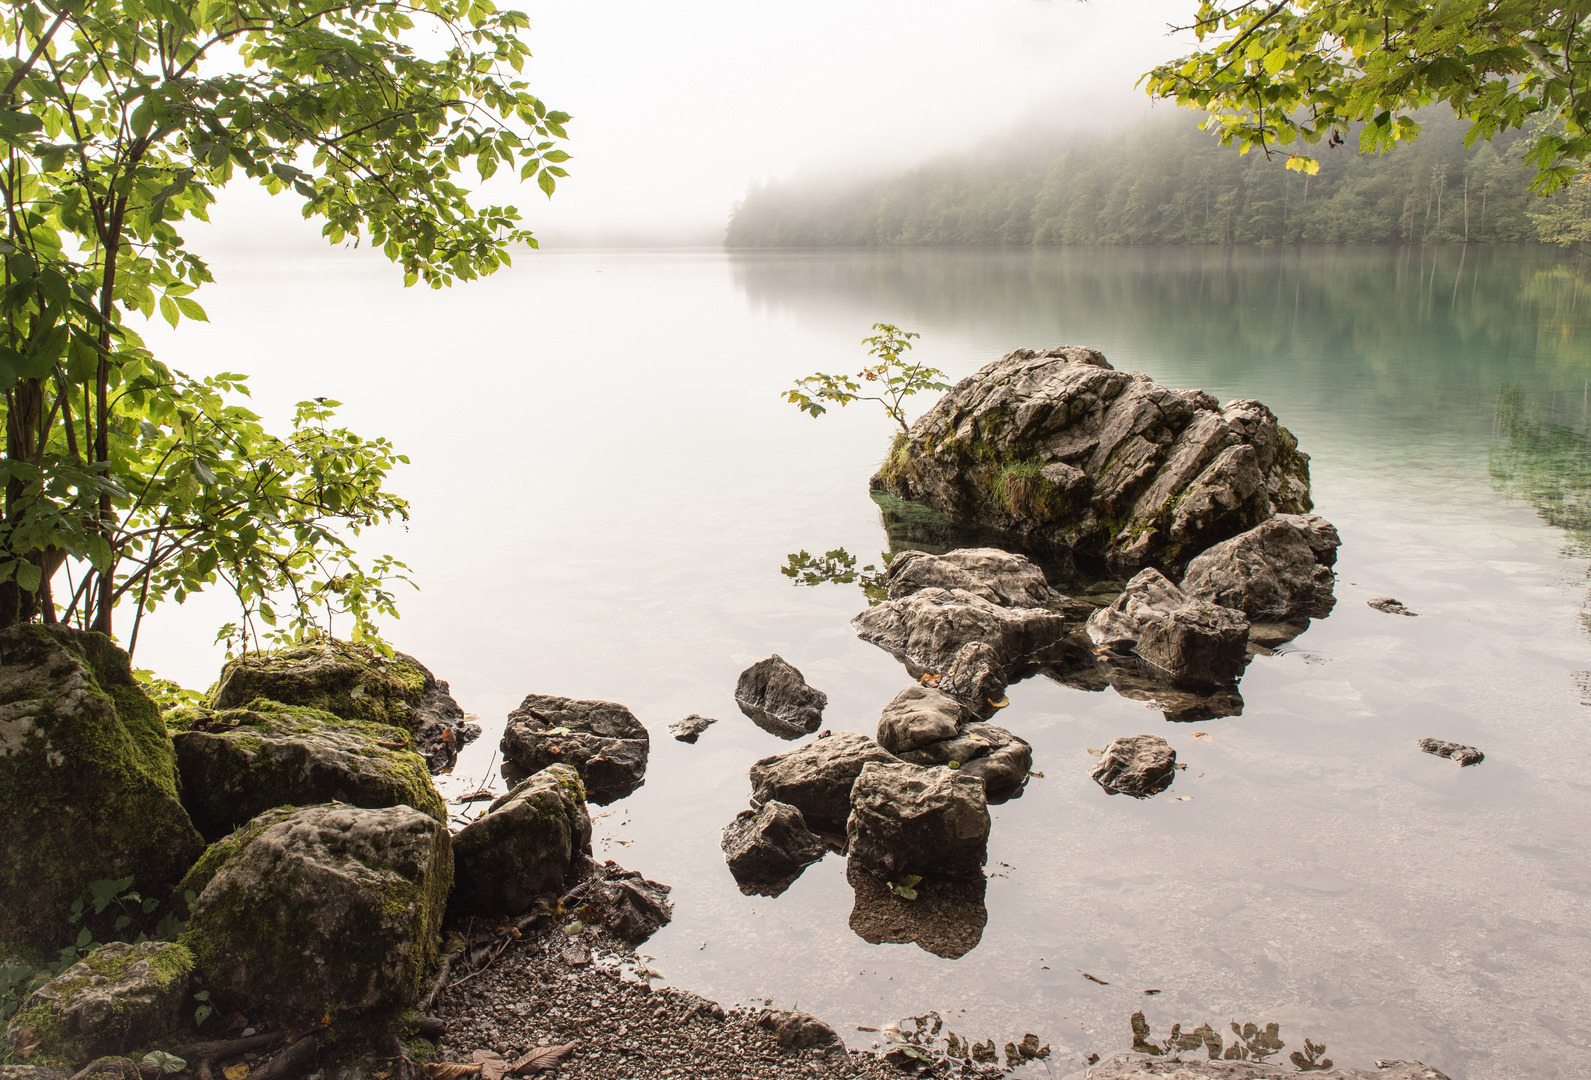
<point>353,682</point>
<point>912,819</point>
<point>118,998</point>
<point>690,729</point>
<point>1058,446</point>
<point>1187,639</point>
<point>768,848</point>
<point>930,627</point>
<point>353,897</point>
<point>816,778</point>
<point>1464,755</point>
<point>1390,606</point>
<point>1136,765</point>
<point>1278,571</point>
<point>796,1030</point>
<point>88,783</point>
<point>237,763</point>
<point>633,907</point>
<point>947,917</point>
<point>1000,577</point>
<point>603,741</point>
<point>917,716</point>
<point>990,753</point>
<point>522,846</point>
<point>775,695</point>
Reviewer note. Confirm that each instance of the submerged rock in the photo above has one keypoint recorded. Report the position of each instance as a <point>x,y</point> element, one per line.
<point>946,918</point>
<point>816,778</point>
<point>1188,639</point>
<point>353,682</point>
<point>237,763</point>
<point>1000,577</point>
<point>1136,765</point>
<point>1278,571</point>
<point>88,783</point>
<point>777,698</point>
<point>1464,755</point>
<point>322,909</point>
<point>604,742</point>
<point>1390,606</point>
<point>768,848</point>
<point>690,729</point>
<point>118,998</point>
<point>992,754</point>
<point>1058,447</point>
<point>522,847</point>
<point>910,819</point>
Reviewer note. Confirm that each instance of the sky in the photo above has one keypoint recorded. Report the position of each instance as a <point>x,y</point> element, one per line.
<point>678,107</point>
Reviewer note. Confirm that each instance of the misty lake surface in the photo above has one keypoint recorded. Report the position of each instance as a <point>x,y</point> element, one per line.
<point>606,486</point>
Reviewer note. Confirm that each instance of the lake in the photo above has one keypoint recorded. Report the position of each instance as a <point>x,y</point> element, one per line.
<point>606,486</point>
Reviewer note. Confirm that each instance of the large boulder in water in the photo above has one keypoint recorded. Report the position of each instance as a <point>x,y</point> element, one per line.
<point>118,998</point>
<point>999,577</point>
<point>768,848</point>
<point>354,682</point>
<point>775,694</point>
<point>1278,571</point>
<point>522,847</point>
<point>816,778</point>
<point>323,909</point>
<point>238,763</point>
<point>908,819</point>
<point>88,783</point>
<point>1191,640</point>
<point>1058,447</point>
<point>603,740</point>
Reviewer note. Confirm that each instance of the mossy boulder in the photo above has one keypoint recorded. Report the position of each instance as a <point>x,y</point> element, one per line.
<point>522,847</point>
<point>330,908</point>
<point>353,682</point>
<point>238,763</point>
<point>117,999</point>
<point>88,782</point>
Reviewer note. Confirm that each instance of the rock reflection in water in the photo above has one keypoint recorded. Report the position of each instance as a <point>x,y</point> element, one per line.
<point>947,917</point>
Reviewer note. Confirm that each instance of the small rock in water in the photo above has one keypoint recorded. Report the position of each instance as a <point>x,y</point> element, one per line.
<point>1464,755</point>
<point>690,729</point>
<point>768,848</point>
<point>1390,606</point>
<point>1136,765</point>
<point>775,694</point>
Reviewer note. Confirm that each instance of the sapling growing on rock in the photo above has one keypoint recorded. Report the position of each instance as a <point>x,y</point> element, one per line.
<point>894,379</point>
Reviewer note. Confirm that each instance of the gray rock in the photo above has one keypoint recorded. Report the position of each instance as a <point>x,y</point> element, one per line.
<point>930,627</point>
<point>88,783</point>
<point>1140,1067</point>
<point>604,742</point>
<point>919,715</point>
<point>1390,606</point>
<point>976,677</point>
<point>690,729</point>
<point>999,577</point>
<point>912,819</point>
<point>34,1072</point>
<point>994,755</point>
<point>946,918</point>
<point>353,682</point>
<point>321,909</point>
<point>1464,755</point>
<point>800,1030</point>
<point>118,998</point>
<point>768,848</point>
<point>776,696</point>
<point>1275,572</point>
<point>237,763</point>
<point>633,908</point>
<point>1136,765</point>
<point>1058,447</point>
<point>816,778</point>
<point>522,847</point>
<point>1192,640</point>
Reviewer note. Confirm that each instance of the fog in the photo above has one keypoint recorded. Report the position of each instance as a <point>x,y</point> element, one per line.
<point>678,107</point>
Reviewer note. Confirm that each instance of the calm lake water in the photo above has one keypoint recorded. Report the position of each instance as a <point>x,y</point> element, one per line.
<point>606,485</point>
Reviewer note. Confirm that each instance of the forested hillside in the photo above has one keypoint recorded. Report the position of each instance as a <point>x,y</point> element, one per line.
<point>1165,182</point>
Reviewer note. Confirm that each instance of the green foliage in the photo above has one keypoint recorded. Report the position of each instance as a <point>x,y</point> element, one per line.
<point>119,122</point>
<point>895,381</point>
<point>838,567</point>
<point>1297,71</point>
<point>1164,183</point>
<point>1565,219</point>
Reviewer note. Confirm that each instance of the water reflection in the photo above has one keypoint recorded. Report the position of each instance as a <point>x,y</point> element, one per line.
<point>1545,462</point>
<point>946,918</point>
<point>1250,1042</point>
<point>838,567</point>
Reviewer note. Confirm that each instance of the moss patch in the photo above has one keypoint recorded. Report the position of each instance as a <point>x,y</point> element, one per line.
<point>354,682</point>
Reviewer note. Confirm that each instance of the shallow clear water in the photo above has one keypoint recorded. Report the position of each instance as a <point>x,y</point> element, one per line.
<point>606,485</point>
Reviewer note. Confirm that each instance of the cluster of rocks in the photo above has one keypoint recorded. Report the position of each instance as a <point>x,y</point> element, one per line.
<point>289,826</point>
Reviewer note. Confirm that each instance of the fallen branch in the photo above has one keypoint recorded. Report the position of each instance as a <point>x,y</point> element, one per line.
<point>453,952</point>
<point>225,1048</point>
<point>291,1062</point>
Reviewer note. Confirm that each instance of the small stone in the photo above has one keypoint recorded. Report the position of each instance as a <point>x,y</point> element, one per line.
<point>1464,755</point>
<point>690,729</point>
<point>1390,606</point>
<point>1136,765</point>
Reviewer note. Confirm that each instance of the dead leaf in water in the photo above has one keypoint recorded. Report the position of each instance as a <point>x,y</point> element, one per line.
<point>1183,798</point>
<point>543,1057</point>
<point>1002,703</point>
<point>1205,735</point>
<point>1092,978</point>
<point>1096,753</point>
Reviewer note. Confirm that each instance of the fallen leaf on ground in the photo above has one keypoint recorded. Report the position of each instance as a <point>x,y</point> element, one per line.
<point>159,1060</point>
<point>235,1072</point>
<point>930,678</point>
<point>1203,735</point>
<point>543,1057</point>
<point>905,888</point>
<point>447,1070</point>
<point>493,1067</point>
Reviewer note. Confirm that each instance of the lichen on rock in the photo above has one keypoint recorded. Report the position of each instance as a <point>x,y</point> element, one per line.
<point>88,785</point>
<point>238,763</point>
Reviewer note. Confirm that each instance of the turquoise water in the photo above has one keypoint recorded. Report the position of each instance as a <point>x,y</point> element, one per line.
<point>606,487</point>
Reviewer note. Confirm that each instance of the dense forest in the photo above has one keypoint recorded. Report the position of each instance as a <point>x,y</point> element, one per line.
<point>1165,182</point>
